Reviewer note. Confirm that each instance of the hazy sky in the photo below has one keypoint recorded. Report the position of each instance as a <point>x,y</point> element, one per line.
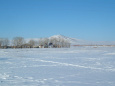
<point>83,19</point>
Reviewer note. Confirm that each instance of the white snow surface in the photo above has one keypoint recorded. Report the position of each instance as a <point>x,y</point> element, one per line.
<point>80,66</point>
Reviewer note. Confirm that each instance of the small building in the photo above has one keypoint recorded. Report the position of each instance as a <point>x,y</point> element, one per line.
<point>41,46</point>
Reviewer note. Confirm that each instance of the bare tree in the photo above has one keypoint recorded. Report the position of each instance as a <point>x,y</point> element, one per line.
<point>32,43</point>
<point>4,42</point>
<point>18,42</point>
<point>1,40</point>
<point>46,42</point>
<point>41,41</point>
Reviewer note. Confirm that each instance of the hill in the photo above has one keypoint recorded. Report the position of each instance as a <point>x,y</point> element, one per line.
<point>75,41</point>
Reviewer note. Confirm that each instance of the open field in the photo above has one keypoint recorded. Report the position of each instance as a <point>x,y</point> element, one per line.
<point>80,66</point>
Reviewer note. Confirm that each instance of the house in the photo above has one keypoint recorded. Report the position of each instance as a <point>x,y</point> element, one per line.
<point>41,46</point>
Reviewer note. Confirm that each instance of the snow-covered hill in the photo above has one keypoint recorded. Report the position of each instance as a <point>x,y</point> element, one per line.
<point>75,41</point>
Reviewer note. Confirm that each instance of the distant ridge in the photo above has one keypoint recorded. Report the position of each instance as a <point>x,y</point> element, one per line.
<point>75,41</point>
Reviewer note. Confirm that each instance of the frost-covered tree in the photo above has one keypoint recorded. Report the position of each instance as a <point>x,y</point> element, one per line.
<point>44,42</point>
<point>59,42</point>
<point>54,41</point>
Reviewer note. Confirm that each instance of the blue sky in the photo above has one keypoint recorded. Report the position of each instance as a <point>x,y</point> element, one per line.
<point>83,19</point>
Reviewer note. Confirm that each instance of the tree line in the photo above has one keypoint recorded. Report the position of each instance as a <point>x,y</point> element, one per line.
<point>20,42</point>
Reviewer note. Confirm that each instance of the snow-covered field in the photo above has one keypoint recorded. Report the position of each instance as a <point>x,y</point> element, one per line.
<point>80,66</point>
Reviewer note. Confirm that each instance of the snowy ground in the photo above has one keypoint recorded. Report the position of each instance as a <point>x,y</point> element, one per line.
<point>80,66</point>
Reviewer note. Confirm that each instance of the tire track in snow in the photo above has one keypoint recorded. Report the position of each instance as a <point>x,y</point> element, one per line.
<point>67,64</point>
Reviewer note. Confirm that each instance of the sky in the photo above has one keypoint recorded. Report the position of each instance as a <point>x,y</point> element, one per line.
<point>82,19</point>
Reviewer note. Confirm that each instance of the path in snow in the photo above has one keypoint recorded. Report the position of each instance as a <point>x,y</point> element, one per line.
<point>81,66</point>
